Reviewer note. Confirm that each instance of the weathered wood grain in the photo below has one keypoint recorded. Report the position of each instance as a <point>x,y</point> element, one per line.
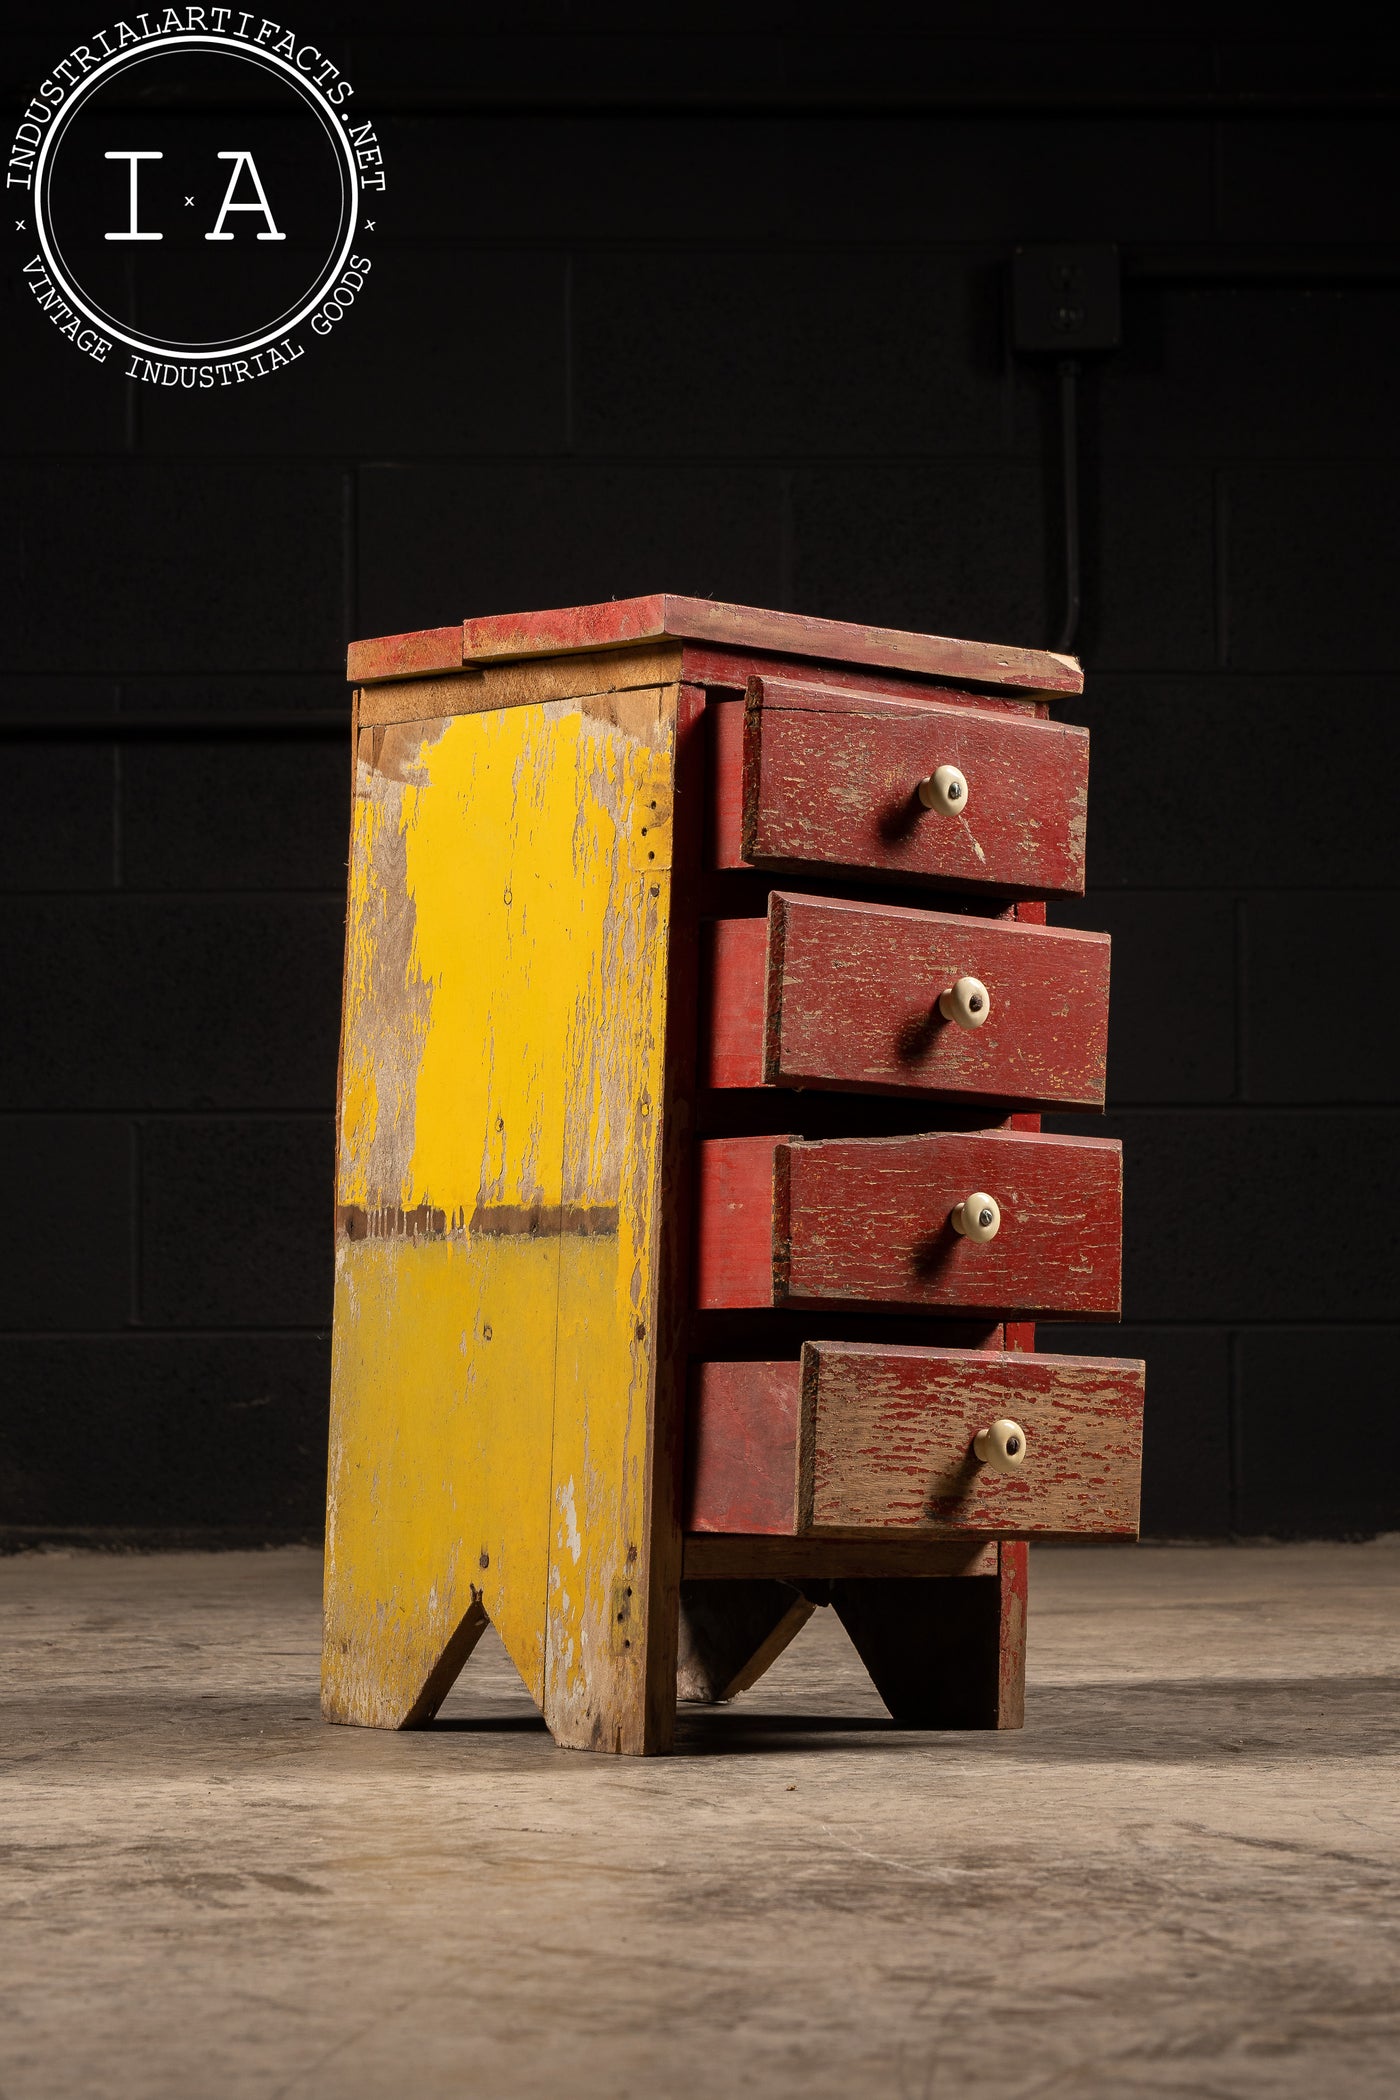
<point>734,1252</point>
<point>830,779</point>
<point>673,1213</point>
<point>885,1440</point>
<point>424,699</point>
<point>1013,1600</point>
<point>725,672</point>
<point>623,620</point>
<point>871,1219</point>
<point>724,1556</point>
<point>1018,1335</point>
<point>480,689</point>
<point>741,1448</point>
<point>868,1221</point>
<point>733,1002</point>
<point>831,994</point>
<point>878,1439</point>
<point>496,1385</point>
<point>724,788</point>
<point>420,655</point>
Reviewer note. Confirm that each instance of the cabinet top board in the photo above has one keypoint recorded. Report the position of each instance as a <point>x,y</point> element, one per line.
<point>624,622</point>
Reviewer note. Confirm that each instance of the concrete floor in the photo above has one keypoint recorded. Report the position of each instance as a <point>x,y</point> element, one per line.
<point>1179,1880</point>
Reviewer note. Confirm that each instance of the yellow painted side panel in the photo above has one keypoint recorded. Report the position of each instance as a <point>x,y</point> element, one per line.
<point>439,1463</point>
<point>503,1041</point>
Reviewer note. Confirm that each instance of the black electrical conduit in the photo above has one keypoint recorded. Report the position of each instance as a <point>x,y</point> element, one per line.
<point>1069,489</point>
<point>1352,269</point>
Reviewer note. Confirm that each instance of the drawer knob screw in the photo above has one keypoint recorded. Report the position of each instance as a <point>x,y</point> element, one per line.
<point>977,1217</point>
<point>968,1002</point>
<point>1002,1447</point>
<point>946,790</point>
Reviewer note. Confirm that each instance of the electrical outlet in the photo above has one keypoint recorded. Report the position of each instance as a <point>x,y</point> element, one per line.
<point>1065,301</point>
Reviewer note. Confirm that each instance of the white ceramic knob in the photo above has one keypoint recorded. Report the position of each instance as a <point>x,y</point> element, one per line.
<point>978,1217</point>
<point>946,790</point>
<point>1002,1447</point>
<point>968,1002</point>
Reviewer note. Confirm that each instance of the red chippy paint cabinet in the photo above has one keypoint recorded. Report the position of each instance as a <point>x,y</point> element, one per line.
<point>693,1213</point>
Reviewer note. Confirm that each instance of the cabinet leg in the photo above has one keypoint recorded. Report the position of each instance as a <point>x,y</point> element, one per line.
<point>394,1675</point>
<point>447,1669</point>
<point>730,1632</point>
<point>944,1652</point>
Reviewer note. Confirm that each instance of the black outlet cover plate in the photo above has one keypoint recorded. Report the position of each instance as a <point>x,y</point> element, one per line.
<point>1065,301</point>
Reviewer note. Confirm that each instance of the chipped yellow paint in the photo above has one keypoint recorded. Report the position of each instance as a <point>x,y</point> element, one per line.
<point>502,1081</point>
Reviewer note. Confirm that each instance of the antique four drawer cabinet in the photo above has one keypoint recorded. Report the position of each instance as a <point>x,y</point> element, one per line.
<point>693,1212</point>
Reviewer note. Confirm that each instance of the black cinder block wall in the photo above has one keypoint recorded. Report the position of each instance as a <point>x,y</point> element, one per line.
<point>717,307</point>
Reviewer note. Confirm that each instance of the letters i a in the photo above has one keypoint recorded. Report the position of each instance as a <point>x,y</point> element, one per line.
<point>240,161</point>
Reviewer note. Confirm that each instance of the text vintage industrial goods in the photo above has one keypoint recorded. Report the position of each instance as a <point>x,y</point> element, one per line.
<point>196,196</point>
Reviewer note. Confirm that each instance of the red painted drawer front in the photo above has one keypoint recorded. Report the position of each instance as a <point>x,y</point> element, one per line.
<point>829,994</point>
<point>866,1221</point>
<point>861,1438</point>
<point>831,779</point>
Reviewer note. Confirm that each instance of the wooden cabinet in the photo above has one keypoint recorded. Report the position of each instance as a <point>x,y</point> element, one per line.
<point>692,1209</point>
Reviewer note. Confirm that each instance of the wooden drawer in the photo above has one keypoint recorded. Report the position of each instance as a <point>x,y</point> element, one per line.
<point>855,1439</point>
<point>852,1221</point>
<point>805,776</point>
<point>823,993</point>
